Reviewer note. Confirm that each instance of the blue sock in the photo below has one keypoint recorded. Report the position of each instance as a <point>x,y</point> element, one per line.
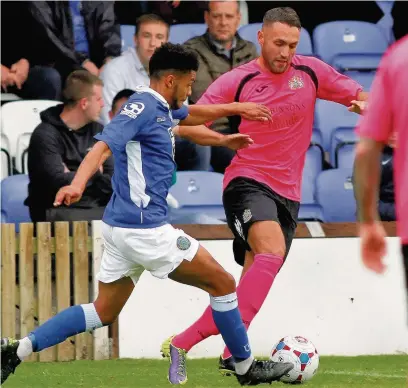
<point>229,323</point>
<point>69,322</point>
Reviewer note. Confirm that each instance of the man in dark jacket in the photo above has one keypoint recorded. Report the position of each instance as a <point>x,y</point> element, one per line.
<point>21,75</point>
<point>57,147</point>
<point>69,35</point>
<point>219,50</point>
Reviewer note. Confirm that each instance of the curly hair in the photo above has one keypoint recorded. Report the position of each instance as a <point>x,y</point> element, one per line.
<point>172,57</point>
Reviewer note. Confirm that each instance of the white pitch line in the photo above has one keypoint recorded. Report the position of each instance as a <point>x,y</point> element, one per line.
<point>363,374</point>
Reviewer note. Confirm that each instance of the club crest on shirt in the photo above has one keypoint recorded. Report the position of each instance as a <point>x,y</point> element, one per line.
<point>183,243</point>
<point>296,82</point>
<point>247,215</point>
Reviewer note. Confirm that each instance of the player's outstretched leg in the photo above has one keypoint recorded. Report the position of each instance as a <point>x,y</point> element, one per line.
<point>74,320</point>
<point>252,290</point>
<point>205,273</point>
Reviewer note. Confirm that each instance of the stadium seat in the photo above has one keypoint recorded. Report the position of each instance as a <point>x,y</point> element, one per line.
<point>20,117</point>
<point>341,137</point>
<point>127,33</point>
<point>334,193</point>
<point>350,45</point>
<point>309,209</point>
<point>250,32</point>
<point>364,78</point>
<point>313,167</point>
<point>6,168</point>
<point>199,192</point>
<point>14,191</point>
<point>387,21</point>
<point>23,142</point>
<point>6,97</point>
<point>310,212</point>
<point>317,138</point>
<point>180,33</point>
<point>345,156</point>
<point>330,116</point>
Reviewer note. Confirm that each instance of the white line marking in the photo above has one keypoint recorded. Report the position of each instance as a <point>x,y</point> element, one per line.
<point>363,374</point>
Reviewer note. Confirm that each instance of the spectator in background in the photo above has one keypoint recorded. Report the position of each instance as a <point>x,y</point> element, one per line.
<point>57,147</point>
<point>21,75</point>
<point>119,100</point>
<point>173,12</point>
<point>70,35</point>
<point>386,204</point>
<point>178,12</point>
<point>132,69</point>
<point>219,50</point>
<point>38,82</point>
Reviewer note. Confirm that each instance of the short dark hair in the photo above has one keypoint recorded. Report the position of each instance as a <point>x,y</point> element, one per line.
<point>207,6</point>
<point>172,57</point>
<point>125,93</point>
<point>78,85</point>
<point>285,15</point>
<point>149,18</point>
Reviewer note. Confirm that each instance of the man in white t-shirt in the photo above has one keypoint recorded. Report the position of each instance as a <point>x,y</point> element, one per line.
<point>131,69</point>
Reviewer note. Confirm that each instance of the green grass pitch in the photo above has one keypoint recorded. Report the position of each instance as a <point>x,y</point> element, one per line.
<point>334,372</point>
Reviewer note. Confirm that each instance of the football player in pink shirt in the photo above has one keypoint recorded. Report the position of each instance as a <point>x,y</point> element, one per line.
<point>386,116</point>
<point>262,185</point>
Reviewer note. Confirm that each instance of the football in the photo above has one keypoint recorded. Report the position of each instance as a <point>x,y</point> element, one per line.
<point>300,352</point>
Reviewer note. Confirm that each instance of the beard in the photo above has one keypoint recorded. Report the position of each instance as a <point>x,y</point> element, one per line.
<point>175,105</point>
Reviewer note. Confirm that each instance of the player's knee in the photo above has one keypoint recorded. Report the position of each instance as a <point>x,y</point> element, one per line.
<point>223,284</point>
<point>105,313</point>
<point>269,246</point>
<point>273,249</point>
<point>267,237</point>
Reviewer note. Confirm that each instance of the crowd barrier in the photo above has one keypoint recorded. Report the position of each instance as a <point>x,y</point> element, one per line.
<point>323,293</point>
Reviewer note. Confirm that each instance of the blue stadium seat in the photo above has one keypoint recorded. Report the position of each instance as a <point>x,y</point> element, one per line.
<point>346,155</point>
<point>317,138</point>
<point>127,33</point>
<point>250,32</point>
<point>199,192</point>
<point>334,193</point>
<point>305,43</point>
<point>180,33</point>
<point>309,209</point>
<point>310,212</point>
<point>330,116</point>
<point>387,21</point>
<point>364,78</point>
<point>14,191</point>
<point>313,167</point>
<point>343,138</point>
<point>349,45</point>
